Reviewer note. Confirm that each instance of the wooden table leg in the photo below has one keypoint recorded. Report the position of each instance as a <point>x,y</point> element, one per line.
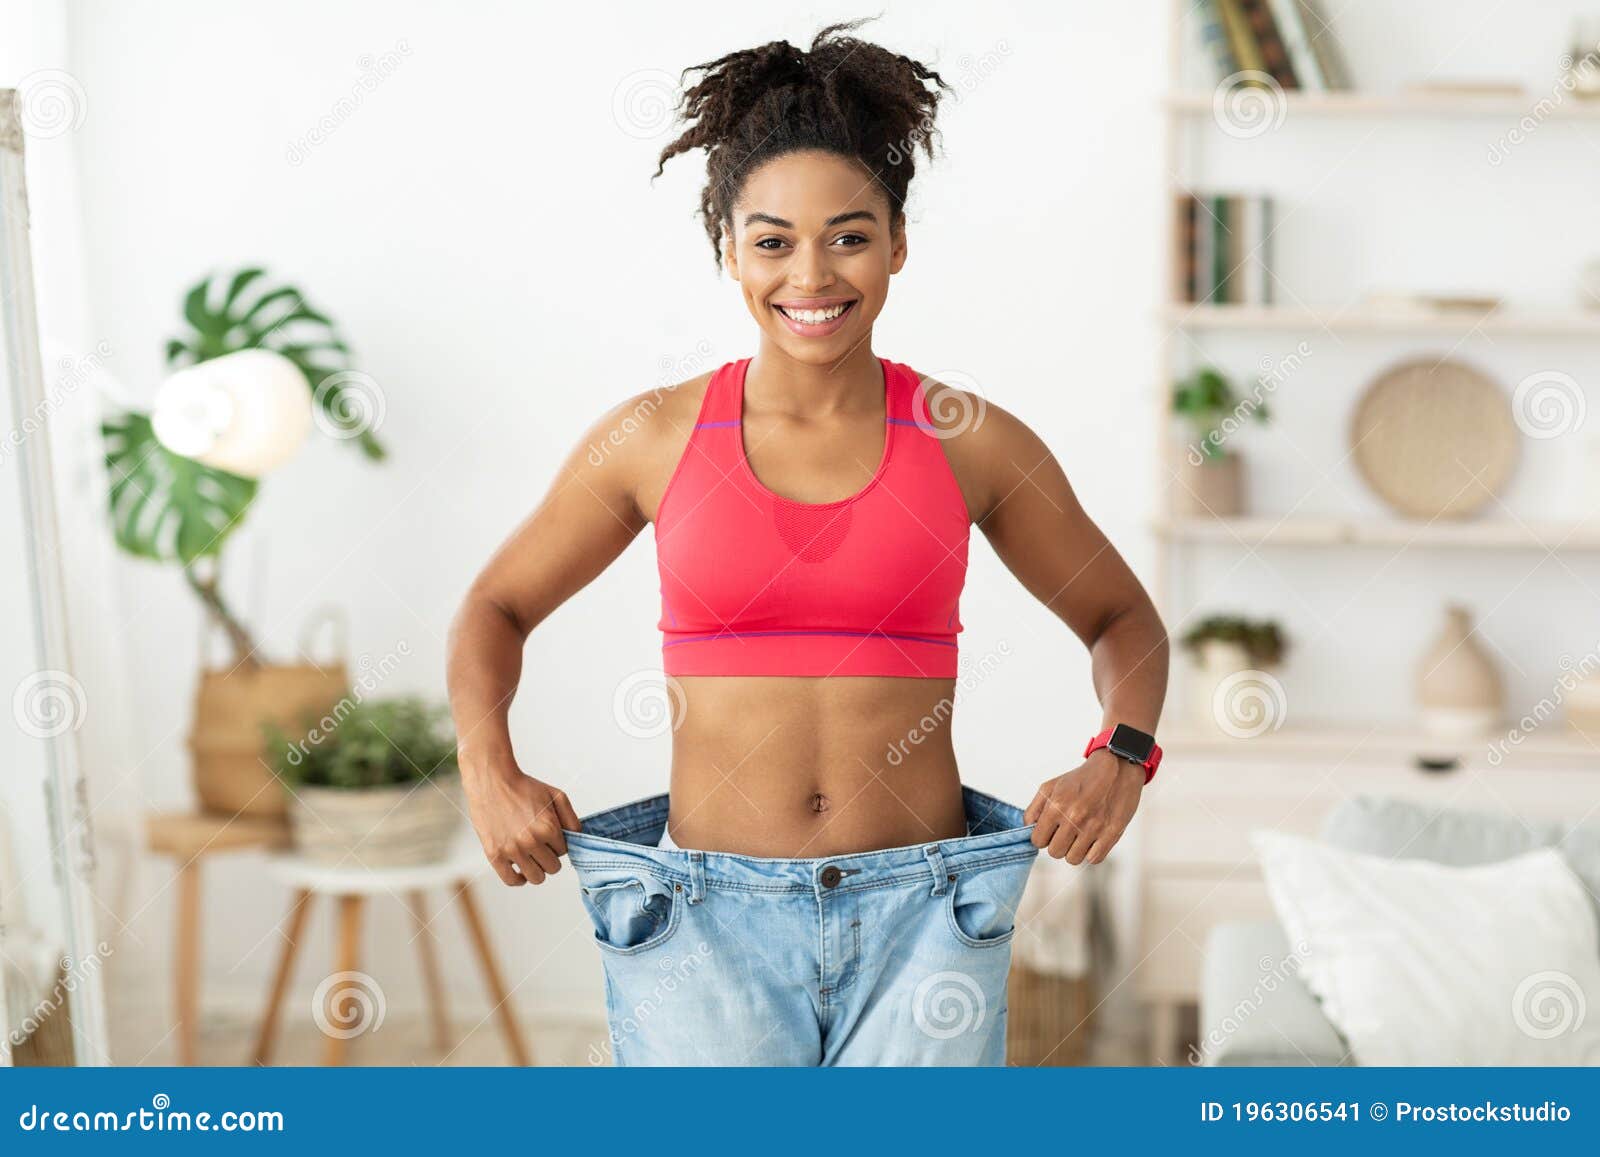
<point>187,971</point>
<point>491,974</point>
<point>280,982</point>
<point>349,958</point>
<point>430,970</point>
<point>1163,1032</point>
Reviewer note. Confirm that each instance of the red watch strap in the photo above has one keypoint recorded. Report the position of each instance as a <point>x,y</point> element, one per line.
<point>1149,765</point>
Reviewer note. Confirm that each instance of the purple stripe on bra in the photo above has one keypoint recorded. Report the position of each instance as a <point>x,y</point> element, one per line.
<point>822,634</point>
<point>913,422</point>
<point>715,425</point>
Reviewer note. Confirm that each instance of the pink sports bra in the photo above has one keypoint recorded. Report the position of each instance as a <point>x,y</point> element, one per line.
<point>753,583</point>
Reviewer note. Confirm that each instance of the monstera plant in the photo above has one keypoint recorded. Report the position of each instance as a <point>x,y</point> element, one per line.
<point>172,508</point>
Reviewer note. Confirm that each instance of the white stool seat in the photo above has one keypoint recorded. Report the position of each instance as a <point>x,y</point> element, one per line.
<point>351,878</point>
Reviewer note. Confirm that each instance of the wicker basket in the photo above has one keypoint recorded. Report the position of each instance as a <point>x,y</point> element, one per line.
<point>1049,1018</point>
<point>379,827</point>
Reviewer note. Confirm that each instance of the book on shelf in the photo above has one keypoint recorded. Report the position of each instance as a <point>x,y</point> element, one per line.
<point>1224,251</point>
<point>1287,40</point>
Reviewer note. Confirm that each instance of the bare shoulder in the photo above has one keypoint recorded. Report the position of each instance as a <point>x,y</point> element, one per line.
<point>639,440</point>
<point>989,448</point>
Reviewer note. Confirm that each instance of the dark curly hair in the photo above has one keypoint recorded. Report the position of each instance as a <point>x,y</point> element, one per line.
<point>845,96</point>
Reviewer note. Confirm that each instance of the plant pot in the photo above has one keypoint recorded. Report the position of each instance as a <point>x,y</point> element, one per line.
<point>378,827</point>
<point>1213,487</point>
<point>225,741</point>
<point>1217,661</point>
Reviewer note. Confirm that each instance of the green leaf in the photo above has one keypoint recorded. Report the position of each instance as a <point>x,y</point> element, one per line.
<point>165,506</point>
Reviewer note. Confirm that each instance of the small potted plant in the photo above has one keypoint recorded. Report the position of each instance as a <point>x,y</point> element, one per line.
<point>1224,647</point>
<point>371,782</point>
<point>1211,481</point>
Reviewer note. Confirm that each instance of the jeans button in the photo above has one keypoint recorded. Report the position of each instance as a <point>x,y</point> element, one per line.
<point>831,876</point>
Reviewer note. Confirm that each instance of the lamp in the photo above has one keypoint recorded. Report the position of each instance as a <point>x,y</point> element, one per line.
<point>245,412</point>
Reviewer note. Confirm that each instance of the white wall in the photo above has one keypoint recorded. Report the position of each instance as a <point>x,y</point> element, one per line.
<point>488,238</point>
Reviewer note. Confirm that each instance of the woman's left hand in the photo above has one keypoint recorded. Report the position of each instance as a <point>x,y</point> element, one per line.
<point>1081,815</point>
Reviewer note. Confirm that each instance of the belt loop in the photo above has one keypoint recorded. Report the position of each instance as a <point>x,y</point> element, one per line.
<point>936,866</point>
<point>697,877</point>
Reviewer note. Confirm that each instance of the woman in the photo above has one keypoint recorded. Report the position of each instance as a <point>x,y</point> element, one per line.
<point>801,900</point>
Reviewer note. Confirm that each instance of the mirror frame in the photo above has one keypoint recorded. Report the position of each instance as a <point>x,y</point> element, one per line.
<point>67,792</point>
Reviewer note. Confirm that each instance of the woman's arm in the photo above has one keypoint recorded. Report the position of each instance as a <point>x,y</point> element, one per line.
<point>1019,496</point>
<point>587,519</point>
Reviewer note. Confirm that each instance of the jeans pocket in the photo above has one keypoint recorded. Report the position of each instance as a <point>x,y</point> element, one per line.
<point>633,913</point>
<point>981,906</point>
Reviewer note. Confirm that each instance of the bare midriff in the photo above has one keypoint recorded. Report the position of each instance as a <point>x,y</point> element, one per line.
<point>802,767</point>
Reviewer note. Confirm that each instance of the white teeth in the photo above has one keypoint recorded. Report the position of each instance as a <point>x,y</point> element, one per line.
<point>815,316</point>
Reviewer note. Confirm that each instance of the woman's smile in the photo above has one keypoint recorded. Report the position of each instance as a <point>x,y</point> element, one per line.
<point>815,317</point>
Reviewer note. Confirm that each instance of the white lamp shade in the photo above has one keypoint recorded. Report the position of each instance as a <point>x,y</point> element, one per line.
<point>246,412</point>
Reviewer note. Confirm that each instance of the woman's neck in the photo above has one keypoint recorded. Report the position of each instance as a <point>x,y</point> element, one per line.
<point>777,381</point>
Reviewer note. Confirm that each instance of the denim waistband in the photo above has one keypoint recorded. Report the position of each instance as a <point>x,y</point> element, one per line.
<point>626,836</point>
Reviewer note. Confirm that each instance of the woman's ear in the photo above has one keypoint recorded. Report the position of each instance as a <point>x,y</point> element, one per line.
<point>730,257</point>
<point>897,247</point>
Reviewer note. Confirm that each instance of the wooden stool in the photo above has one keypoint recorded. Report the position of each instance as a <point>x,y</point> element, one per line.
<point>190,837</point>
<point>351,885</point>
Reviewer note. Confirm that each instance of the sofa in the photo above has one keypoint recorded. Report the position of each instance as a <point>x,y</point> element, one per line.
<point>1254,1011</point>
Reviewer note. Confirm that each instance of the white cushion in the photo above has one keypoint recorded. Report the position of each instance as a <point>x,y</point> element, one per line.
<point>1418,963</point>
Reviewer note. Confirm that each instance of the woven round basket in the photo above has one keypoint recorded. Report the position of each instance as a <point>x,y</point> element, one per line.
<point>1434,438</point>
<point>378,827</point>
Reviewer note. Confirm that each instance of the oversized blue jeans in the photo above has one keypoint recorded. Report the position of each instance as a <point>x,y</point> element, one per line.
<point>895,957</point>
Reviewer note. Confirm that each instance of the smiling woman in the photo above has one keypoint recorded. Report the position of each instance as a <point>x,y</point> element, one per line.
<point>812,506</point>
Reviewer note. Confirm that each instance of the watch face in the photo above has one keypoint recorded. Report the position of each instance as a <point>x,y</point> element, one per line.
<point>1131,743</point>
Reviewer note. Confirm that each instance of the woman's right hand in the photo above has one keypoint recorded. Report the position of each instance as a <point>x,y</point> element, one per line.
<point>519,821</point>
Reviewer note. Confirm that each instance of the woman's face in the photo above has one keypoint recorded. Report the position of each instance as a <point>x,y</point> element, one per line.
<point>812,245</point>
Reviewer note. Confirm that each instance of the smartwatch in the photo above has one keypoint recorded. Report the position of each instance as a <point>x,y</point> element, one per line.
<point>1131,744</point>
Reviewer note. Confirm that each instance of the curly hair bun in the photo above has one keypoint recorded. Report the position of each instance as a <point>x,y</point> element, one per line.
<point>844,95</point>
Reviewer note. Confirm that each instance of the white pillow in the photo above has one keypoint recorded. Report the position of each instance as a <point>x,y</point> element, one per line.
<point>1417,963</point>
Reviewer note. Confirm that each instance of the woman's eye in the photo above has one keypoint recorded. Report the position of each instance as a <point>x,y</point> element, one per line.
<point>850,240</point>
<point>770,243</point>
